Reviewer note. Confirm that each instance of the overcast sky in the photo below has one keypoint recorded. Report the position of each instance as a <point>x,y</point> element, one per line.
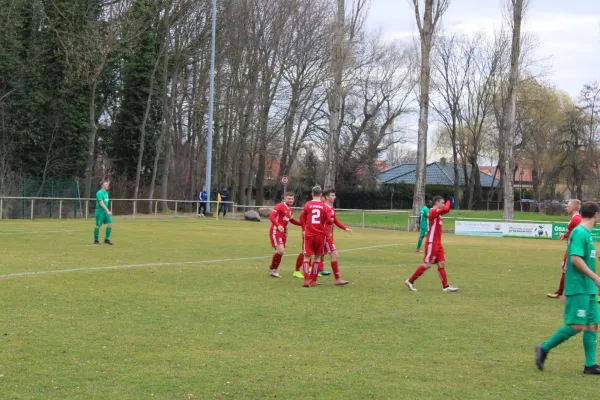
<point>568,33</point>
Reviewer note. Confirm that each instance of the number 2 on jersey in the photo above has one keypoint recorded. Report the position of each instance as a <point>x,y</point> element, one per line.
<point>316,217</point>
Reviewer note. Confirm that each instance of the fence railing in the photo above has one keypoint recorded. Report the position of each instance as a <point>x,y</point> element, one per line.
<point>62,208</point>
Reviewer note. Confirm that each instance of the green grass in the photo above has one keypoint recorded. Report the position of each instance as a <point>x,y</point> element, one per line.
<point>399,219</point>
<point>188,328</point>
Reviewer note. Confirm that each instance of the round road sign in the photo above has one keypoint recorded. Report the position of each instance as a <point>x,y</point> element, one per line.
<point>284,180</point>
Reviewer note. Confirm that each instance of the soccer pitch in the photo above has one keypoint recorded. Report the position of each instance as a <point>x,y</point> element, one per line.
<point>185,309</point>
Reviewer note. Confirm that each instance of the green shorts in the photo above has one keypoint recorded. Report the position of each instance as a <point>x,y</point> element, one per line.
<point>581,309</point>
<point>423,233</point>
<point>102,218</point>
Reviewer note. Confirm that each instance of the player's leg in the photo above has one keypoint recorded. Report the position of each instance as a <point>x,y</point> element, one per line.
<point>335,266</point>
<point>590,338</point>
<point>99,222</point>
<point>316,269</point>
<point>278,243</point>
<point>326,244</point>
<point>299,262</point>
<point>575,322</point>
<point>446,287</point>
<point>109,225</point>
<point>427,261</point>
<point>308,255</point>
<point>561,285</point>
<point>420,242</point>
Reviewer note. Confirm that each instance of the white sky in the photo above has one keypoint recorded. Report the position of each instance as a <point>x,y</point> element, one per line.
<point>568,32</point>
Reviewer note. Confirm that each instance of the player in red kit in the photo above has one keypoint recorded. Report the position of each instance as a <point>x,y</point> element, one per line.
<point>330,248</point>
<point>573,210</point>
<point>434,250</point>
<point>316,221</point>
<point>280,217</point>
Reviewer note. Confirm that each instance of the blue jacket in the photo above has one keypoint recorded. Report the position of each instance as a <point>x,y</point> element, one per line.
<point>203,196</point>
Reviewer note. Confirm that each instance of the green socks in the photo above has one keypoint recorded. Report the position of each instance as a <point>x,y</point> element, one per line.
<point>108,232</point>
<point>589,347</point>
<point>420,242</point>
<point>561,335</point>
<point>96,234</point>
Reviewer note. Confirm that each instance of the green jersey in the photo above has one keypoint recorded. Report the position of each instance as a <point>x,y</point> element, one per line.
<point>102,196</point>
<point>581,245</point>
<point>423,219</point>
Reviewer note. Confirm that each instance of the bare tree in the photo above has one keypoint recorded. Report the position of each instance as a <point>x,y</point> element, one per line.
<point>516,8</point>
<point>427,23</point>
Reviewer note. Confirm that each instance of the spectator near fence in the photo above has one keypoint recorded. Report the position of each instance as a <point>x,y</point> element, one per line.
<point>224,200</point>
<point>203,198</point>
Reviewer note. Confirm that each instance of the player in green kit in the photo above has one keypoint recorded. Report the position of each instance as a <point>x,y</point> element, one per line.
<point>581,288</point>
<point>423,224</point>
<point>103,214</point>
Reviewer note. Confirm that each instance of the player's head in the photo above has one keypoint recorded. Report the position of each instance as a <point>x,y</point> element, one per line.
<point>288,198</point>
<point>317,192</point>
<point>105,185</point>
<point>203,188</point>
<point>438,202</point>
<point>589,210</point>
<point>329,196</point>
<point>573,206</point>
<point>428,203</point>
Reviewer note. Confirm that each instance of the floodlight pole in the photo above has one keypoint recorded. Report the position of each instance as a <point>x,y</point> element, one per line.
<point>211,103</point>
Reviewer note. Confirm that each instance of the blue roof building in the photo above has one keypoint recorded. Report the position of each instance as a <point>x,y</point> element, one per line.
<point>438,173</point>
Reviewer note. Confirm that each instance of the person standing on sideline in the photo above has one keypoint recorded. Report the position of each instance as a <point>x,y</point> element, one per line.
<point>103,214</point>
<point>434,250</point>
<point>203,198</point>
<point>224,198</point>
<point>573,207</point>
<point>581,287</point>
<point>423,224</point>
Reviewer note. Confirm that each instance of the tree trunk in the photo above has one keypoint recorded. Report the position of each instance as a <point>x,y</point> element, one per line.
<point>456,177</point>
<point>91,143</point>
<point>138,171</point>
<point>509,161</point>
<point>335,103</point>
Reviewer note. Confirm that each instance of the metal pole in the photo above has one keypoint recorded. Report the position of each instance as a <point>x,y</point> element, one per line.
<point>134,206</point>
<point>211,103</point>
<point>60,209</point>
<point>1,208</point>
<point>176,208</point>
<point>32,208</point>
<point>87,208</point>
<point>363,213</point>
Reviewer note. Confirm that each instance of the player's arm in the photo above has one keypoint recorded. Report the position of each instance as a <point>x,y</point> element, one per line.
<point>570,228</point>
<point>295,222</point>
<point>436,212</point>
<point>337,223</point>
<point>582,267</point>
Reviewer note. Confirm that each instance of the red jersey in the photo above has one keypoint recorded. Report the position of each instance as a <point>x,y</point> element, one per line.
<point>281,216</point>
<point>435,223</point>
<point>334,220</point>
<point>575,220</point>
<point>316,218</point>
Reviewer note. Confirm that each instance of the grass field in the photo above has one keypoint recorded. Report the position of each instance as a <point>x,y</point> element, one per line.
<point>399,219</point>
<point>185,309</point>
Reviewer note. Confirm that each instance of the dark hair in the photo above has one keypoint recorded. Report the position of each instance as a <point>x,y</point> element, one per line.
<point>589,209</point>
<point>437,198</point>
<point>428,201</point>
<point>317,191</point>
<point>328,192</point>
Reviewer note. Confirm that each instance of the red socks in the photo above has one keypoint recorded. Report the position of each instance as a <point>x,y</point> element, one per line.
<point>299,261</point>
<point>443,277</point>
<point>561,286</point>
<point>276,260</point>
<point>336,270</point>
<point>314,274</point>
<point>418,272</point>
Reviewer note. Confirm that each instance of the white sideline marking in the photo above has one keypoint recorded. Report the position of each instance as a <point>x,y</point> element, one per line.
<point>32,232</point>
<point>166,264</point>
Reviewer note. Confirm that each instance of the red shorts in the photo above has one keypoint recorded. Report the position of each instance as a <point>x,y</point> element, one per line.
<point>564,263</point>
<point>329,245</point>
<point>434,253</point>
<point>314,245</point>
<point>277,237</point>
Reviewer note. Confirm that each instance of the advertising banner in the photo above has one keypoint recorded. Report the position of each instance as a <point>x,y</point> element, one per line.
<point>561,229</point>
<point>504,229</point>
